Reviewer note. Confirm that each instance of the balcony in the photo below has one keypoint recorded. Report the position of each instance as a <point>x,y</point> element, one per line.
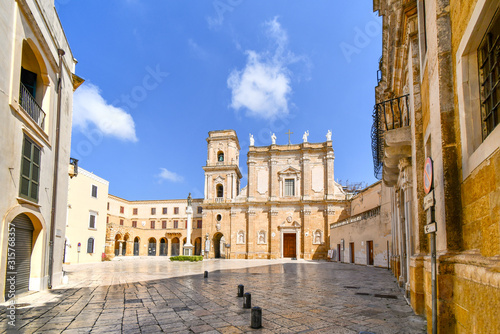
<point>28,103</point>
<point>391,137</point>
<point>73,167</point>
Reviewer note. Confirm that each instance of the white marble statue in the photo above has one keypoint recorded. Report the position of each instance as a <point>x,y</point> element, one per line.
<point>252,141</point>
<point>273,139</point>
<point>329,136</point>
<point>304,137</point>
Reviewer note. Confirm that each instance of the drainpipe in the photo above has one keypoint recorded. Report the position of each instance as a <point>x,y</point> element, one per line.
<point>56,172</point>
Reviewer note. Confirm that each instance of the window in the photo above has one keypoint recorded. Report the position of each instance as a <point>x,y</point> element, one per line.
<point>153,211</point>
<point>122,209</point>
<point>186,224</point>
<point>289,187</point>
<point>121,222</point>
<point>489,76</point>
<point>176,224</point>
<point>164,224</point>
<point>164,211</point>
<point>108,205</point>
<point>200,209</point>
<point>218,217</point>
<point>92,220</point>
<point>220,190</point>
<point>30,170</point>
<point>220,156</point>
<point>94,191</point>
<point>107,220</point>
<point>134,211</point>
<point>176,211</point>
<point>199,223</point>
<point>478,97</point>
<point>152,224</point>
<point>134,223</point>
<point>90,245</point>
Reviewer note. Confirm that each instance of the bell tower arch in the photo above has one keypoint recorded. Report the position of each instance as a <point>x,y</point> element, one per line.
<point>222,171</point>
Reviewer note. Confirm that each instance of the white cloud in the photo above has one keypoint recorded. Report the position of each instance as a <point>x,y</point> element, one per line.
<point>263,87</point>
<point>89,107</point>
<point>197,50</point>
<point>169,176</point>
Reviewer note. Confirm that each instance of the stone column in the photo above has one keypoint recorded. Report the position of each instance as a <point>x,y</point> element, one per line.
<point>250,231</point>
<point>273,180</point>
<point>307,245</point>
<point>306,178</point>
<point>120,248</point>
<point>252,180</point>
<point>274,242</point>
<point>329,183</point>
<point>188,247</point>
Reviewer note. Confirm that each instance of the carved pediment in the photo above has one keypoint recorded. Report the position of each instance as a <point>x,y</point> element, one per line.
<point>289,171</point>
<point>286,224</point>
<point>218,179</point>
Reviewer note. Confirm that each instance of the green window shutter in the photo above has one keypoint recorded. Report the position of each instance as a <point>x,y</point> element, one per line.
<point>30,171</point>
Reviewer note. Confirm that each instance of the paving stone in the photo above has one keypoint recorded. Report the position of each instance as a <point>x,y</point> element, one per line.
<point>151,295</point>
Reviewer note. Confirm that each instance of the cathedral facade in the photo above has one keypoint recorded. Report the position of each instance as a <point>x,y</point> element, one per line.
<point>285,210</point>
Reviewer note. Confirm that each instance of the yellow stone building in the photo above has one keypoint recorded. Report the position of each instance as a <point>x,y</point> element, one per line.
<point>36,92</point>
<point>438,97</point>
<point>284,212</point>
<point>86,224</point>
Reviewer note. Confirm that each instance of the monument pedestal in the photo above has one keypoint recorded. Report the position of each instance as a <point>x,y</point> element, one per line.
<point>188,250</point>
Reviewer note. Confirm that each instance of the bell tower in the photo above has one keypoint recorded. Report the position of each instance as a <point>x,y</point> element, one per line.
<point>222,171</point>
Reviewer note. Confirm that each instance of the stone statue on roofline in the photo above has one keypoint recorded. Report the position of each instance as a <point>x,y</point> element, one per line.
<point>252,141</point>
<point>189,199</point>
<point>273,139</point>
<point>304,137</point>
<point>329,136</point>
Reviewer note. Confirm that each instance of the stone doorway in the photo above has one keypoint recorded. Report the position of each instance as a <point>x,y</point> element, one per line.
<point>219,246</point>
<point>289,245</point>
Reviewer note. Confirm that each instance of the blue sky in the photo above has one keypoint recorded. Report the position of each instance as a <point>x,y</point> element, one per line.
<point>161,74</point>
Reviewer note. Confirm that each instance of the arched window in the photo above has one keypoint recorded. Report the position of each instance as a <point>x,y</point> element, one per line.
<point>220,190</point>
<point>220,156</point>
<point>90,245</point>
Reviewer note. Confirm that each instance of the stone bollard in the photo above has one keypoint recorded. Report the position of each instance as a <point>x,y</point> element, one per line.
<point>256,321</point>
<point>247,300</point>
<point>241,289</point>
<point>205,274</point>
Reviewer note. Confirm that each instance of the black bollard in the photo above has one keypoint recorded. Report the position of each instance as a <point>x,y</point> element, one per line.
<point>241,289</point>
<point>256,321</point>
<point>247,300</point>
<point>205,275</point>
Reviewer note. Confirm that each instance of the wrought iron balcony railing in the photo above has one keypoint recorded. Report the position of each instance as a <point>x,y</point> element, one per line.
<point>73,167</point>
<point>29,104</point>
<point>395,112</point>
<point>387,115</point>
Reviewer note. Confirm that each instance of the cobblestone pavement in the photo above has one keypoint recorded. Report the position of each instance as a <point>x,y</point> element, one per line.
<point>153,295</point>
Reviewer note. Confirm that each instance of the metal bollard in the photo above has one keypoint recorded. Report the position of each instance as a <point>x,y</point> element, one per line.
<point>247,300</point>
<point>205,274</point>
<point>256,321</point>
<point>241,289</point>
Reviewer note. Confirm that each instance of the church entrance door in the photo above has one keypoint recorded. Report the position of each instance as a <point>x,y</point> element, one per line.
<point>289,245</point>
<point>219,242</point>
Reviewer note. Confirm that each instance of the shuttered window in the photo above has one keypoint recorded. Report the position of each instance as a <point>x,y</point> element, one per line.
<point>134,211</point>
<point>92,220</point>
<point>289,187</point>
<point>200,209</point>
<point>94,191</point>
<point>153,224</point>
<point>30,171</point>
<point>164,224</point>
<point>176,211</point>
<point>121,222</point>
<point>153,211</point>
<point>199,224</point>
<point>122,209</point>
<point>90,245</point>
<point>134,223</point>
<point>165,211</point>
<point>176,224</point>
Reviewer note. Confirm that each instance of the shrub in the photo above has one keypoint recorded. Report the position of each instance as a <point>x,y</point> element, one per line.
<point>192,258</point>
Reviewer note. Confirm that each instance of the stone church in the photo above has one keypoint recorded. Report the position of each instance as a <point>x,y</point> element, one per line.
<point>285,210</point>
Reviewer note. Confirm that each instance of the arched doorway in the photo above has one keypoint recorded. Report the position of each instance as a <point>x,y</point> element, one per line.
<point>197,246</point>
<point>22,247</point>
<point>124,247</point>
<point>118,244</point>
<point>136,246</point>
<point>175,247</point>
<point>152,247</point>
<point>219,246</point>
<point>163,247</point>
